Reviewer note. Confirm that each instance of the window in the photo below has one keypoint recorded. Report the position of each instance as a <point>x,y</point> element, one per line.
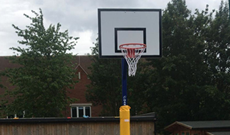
<point>18,115</point>
<point>87,111</point>
<point>74,112</point>
<point>79,75</point>
<point>187,133</point>
<point>182,133</point>
<point>81,110</point>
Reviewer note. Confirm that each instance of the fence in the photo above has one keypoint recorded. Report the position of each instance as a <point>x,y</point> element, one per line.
<point>144,125</point>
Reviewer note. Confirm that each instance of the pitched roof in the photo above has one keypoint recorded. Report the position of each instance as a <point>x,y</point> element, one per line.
<point>207,124</point>
<point>219,133</point>
<point>84,62</point>
<point>199,125</point>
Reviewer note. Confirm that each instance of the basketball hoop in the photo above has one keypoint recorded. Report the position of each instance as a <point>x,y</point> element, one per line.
<point>132,53</point>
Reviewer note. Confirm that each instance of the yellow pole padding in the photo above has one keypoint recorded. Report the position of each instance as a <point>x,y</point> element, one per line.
<point>125,120</point>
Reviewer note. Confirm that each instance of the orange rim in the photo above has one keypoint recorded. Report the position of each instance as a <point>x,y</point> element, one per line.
<point>122,46</point>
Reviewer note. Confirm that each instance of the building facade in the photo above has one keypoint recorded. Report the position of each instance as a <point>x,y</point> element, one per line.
<point>82,107</point>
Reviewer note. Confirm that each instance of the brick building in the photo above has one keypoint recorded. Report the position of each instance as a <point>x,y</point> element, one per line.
<point>82,107</point>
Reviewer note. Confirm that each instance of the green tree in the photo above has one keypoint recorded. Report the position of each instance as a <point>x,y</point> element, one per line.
<point>45,70</point>
<point>218,49</point>
<point>181,78</point>
<point>217,54</point>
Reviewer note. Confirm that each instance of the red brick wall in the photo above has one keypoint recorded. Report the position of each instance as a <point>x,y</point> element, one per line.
<point>80,90</point>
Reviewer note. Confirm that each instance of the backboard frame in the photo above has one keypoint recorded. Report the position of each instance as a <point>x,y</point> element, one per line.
<point>140,30</point>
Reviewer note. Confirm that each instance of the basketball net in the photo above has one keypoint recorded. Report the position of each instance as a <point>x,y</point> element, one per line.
<point>132,53</point>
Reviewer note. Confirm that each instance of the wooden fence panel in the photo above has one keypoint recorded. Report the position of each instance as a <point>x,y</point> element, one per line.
<point>62,126</point>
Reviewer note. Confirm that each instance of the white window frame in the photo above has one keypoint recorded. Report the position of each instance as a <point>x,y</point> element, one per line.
<point>15,115</point>
<point>77,105</point>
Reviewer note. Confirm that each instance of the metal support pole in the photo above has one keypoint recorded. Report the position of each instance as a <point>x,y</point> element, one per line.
<point>124,81</point>
<point>229,8</point>
<point>125,109</point>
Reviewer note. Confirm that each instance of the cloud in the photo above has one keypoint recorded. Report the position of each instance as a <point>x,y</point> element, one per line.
<point>84,43</point>
<point>201,5</point>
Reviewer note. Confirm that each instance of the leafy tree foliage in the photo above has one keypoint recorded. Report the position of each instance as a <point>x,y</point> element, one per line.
<point>174,75</point>
<point>218,49</point>
<point>45,70</point>
<point>186,77</point>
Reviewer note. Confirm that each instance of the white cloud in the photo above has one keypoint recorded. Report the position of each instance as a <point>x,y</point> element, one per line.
<point>84,43</point>
<point>201,5</point>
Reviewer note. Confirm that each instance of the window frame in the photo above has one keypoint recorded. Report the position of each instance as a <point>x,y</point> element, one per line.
<point>77,106</point>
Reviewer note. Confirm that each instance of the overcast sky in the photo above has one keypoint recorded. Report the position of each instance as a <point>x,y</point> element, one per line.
<point>77,16</point>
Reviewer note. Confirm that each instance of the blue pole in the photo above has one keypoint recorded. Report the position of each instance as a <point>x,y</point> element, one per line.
<point>229,7</point>
<point>125,109</point>
<point>124,81</point>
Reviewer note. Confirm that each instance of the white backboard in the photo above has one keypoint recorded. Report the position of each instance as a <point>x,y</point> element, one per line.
<point>120,26</point>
